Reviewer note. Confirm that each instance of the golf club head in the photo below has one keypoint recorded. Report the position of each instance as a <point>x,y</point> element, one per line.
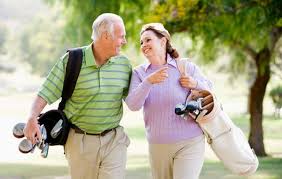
<point>41,144</point>
<point>192,106</point>
<point>26,146</point>
<point>44,151</point>
<point>18,130</point>
<point>43,132</point>
<point>57,129</point>
<point>180,109</point>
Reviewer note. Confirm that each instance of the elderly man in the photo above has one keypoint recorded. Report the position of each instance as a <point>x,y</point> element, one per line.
<point>96,146</point>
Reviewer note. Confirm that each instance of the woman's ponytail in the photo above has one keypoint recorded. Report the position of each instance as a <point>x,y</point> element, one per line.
<point>171,51</point>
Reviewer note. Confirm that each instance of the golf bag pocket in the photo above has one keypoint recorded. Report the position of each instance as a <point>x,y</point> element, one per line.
<point>57,126</point>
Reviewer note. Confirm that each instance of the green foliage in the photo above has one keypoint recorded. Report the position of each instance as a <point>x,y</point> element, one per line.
<point>40,44</point>
<point>81,14</point>
<point>276,96</point>
<point>222,23</point>
<point>216,27</point>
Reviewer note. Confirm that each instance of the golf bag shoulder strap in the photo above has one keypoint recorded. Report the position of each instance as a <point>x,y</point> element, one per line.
<point>182,65</point>
<point>72,72</point>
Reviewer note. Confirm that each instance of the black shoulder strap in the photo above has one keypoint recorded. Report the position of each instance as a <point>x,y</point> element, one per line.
<point>72,73</point>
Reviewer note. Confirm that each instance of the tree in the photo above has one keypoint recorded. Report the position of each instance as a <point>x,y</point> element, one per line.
<point>80,16</point>
<point>249,29</point>
<point>40,45</point>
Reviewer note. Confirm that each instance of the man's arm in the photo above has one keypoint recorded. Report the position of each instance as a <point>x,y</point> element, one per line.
<point>31,130</point>
<point>49,92</point>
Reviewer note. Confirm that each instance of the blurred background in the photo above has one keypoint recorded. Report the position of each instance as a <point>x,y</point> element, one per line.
<point>237,44</point>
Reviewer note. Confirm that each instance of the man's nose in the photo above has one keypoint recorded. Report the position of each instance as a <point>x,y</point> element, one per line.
<point>124,41</point>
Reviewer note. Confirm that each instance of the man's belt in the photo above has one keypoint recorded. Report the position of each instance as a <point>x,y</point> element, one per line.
<point>80,131</point>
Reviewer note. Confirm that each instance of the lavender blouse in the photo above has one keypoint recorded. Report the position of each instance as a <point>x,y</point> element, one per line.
<point>159,101</point>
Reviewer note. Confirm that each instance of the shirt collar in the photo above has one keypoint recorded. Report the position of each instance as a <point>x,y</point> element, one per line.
<point>170,61</point>
<point>111,60</point>
<point>90,59</point>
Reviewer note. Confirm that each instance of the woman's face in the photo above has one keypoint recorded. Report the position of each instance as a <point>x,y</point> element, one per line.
<point>151,45</point>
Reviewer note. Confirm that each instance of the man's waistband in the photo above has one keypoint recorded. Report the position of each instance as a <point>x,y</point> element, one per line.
<point>80,131</point>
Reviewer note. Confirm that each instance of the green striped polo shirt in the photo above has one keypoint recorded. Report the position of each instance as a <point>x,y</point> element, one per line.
<point>96,103</point>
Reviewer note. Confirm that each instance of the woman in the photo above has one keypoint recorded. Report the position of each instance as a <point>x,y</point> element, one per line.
<point>176,146</point>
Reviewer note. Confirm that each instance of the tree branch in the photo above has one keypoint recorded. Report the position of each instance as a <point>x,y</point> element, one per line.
<point>249,50</point>
<point>275,35</point>
<point>246,48</point>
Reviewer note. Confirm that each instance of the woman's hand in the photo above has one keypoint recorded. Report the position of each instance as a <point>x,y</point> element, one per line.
<point>188,82</point>
<point>158,76</point>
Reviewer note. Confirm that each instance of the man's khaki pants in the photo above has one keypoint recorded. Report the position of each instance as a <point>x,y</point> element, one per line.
<point>97,157</point>
<point>182,160</point>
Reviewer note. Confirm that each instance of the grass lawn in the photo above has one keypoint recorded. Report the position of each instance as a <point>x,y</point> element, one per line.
<point>138,168</point>
<point>14,165</point>
<point>138,165</point>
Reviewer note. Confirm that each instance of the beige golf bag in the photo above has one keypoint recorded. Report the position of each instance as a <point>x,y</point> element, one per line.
<point>226,140</point>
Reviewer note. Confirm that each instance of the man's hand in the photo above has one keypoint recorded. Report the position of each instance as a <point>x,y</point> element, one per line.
<point>32,131</point>
<point>158,76</point>
<point>188,82</point>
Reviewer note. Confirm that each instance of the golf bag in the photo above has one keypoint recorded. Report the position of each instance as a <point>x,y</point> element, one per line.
<point>226,140</point>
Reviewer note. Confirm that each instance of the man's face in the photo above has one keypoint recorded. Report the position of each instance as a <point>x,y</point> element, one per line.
<point>118,39</point>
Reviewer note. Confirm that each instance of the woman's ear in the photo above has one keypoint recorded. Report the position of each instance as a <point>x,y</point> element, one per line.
<point>163,41</point>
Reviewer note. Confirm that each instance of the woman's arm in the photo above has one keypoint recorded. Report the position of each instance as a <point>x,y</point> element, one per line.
<point>138,92</point>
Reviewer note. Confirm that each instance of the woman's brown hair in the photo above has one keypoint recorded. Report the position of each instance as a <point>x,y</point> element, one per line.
<point>169,49</point>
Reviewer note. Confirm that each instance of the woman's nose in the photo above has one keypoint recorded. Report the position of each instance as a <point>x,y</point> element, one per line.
<point>143,45</point>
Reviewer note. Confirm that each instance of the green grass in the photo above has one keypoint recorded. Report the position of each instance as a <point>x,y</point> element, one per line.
<point>269,168</point>
<point>27,171</point>
<point>138,163</point>
<point>272,127</point>
<point>138,168</point>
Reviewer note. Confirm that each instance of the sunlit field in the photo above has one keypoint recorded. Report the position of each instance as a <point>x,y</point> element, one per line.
<point>13,164</point>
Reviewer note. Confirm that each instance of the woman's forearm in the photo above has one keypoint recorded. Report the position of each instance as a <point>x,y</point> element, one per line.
<point>137,94</point>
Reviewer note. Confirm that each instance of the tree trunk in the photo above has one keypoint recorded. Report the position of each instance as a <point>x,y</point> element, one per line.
<point>256,96</point>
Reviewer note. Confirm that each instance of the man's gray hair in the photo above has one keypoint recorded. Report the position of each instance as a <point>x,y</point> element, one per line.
<point>104,23</point>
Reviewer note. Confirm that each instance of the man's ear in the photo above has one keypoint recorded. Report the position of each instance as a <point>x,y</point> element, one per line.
<point>105,35</point>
